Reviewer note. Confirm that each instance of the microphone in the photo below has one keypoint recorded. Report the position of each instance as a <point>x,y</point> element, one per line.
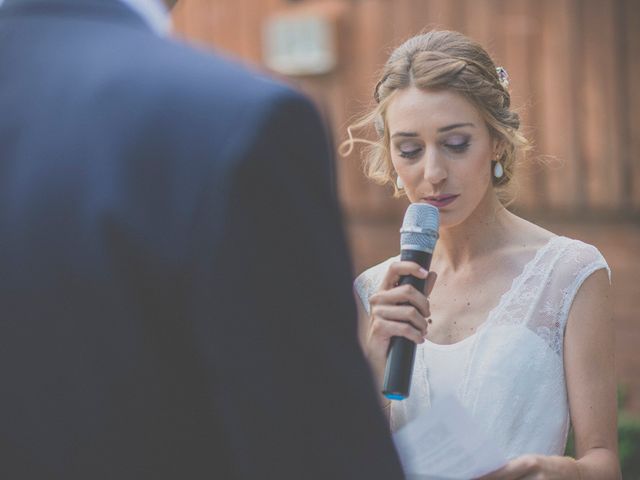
<point>418,237</point>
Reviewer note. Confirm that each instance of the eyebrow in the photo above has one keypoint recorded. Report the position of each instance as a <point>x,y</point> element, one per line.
<point>440,130</point>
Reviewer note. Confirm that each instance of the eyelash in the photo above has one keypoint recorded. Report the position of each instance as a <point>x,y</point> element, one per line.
<point>411,154</point>
<point>458,148</point>
<point>454,148</point>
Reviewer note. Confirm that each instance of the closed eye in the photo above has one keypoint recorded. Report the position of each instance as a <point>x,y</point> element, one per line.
<point>457,147</point>
<point>410,153</point>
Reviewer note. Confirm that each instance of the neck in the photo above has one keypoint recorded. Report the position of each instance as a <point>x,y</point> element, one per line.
<point>485,230</point>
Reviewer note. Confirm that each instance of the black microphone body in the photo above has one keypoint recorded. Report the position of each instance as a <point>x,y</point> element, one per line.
<point>402,351</point>
<point>419,233</point>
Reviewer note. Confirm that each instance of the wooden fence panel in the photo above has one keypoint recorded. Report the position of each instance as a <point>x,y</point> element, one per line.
<point>629,26</point>
<point>572,65</point>
<point>599,119</point>
<point>556,113</point>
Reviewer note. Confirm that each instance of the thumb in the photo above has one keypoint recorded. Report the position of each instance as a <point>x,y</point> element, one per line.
<point>430,283</point>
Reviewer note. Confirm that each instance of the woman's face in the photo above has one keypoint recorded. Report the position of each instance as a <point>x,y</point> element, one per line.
<point>441,148</point>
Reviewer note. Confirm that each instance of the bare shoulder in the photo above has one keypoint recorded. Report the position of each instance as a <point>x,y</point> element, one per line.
<point>522,241</point>
<point>594,291</point>
<point>529,234</point>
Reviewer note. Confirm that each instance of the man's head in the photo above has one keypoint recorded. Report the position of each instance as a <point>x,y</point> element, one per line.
<point>170,3</point>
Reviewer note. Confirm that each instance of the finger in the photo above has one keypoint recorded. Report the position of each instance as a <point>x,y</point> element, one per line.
<point>400,295</point>
<point>385,329</point>
<point>515,469</point>
<point>402,313</point>
<point>399,269</point>
<point>430,283</point>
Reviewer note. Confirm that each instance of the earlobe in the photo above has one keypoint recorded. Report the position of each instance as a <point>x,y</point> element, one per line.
<point>497,148</point>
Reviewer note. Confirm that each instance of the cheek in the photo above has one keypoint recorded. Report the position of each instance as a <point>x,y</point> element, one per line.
<point>476,168</point>
<point>407,170</point>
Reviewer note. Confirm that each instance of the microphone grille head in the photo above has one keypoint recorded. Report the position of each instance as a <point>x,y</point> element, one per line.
<point>420,228</point>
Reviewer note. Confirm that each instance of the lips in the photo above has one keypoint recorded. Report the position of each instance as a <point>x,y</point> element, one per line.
<point>440,200</point>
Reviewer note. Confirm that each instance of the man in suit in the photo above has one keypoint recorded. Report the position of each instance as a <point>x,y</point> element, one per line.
<point>175,287</point>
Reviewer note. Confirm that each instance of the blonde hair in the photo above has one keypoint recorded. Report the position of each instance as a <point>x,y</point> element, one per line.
<point>448,60</point>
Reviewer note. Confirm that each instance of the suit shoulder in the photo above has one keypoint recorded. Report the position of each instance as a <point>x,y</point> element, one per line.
<point>193,93</point>
<point>194,75</point>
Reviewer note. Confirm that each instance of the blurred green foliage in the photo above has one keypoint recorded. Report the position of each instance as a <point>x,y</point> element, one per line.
<point>628,440</point>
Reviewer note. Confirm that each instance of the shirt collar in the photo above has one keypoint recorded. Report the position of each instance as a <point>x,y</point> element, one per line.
<point>154,12</point>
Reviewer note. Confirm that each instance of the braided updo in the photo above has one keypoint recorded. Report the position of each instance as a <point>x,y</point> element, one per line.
<point>441,60</point>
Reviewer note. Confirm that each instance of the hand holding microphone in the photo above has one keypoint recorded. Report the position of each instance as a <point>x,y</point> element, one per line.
<point>399,310</point>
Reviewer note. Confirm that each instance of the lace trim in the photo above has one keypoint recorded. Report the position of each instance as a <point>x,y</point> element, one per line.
<point>464,392</point>
<point>368,281</point>
<point>517,282</point>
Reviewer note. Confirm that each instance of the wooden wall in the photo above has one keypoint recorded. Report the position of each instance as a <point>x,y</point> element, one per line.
<point>571,62</point>
<point>572,65</point>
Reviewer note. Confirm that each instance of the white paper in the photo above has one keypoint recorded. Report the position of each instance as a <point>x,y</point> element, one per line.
<point>444,443</point>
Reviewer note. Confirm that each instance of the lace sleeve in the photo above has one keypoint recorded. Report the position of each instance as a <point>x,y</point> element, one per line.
<point>589,260</point>
<point>369,281</point>
<point>563,270</point>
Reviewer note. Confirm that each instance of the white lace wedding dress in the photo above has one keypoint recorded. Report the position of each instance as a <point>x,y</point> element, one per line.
<point>513,381</point>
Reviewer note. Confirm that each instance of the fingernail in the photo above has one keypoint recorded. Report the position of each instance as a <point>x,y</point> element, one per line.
<point>423,272</point>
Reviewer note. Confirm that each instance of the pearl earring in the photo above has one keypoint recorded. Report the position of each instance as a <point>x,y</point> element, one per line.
<point>498,170</point>
<point>399,183</point>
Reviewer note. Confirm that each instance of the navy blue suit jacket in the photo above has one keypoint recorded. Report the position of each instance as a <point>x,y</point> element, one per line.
<point>175,289</point>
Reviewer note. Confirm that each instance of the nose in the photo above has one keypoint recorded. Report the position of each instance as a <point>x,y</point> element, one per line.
<point>435,170</point>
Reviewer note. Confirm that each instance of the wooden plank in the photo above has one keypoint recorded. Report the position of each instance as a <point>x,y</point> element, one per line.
<point>443,14</point>
<point>630,97</point>
<point>420,15</point>
<point>447,14</point>
<point>369,50</point>
<point>602,166</point>
<point>576,88</point>
<point>497,44</point>
<point>250,16</point>
<point>479,22</point>
<point>555,119</point>
<point>402,21</point>
<point>201,16</point>
<point>518,30</point>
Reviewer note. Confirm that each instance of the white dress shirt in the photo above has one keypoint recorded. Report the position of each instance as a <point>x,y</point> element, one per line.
<point>154,12</point>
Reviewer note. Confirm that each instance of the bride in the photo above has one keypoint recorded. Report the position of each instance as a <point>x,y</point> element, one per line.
<point>515,321</point>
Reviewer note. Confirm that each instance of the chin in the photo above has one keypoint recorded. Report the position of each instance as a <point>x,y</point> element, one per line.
<point>449,218</point>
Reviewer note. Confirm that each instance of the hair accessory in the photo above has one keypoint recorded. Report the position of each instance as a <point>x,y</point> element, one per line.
<point>498,170</point>
<point>399,183</point>
<point>503,77</point>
